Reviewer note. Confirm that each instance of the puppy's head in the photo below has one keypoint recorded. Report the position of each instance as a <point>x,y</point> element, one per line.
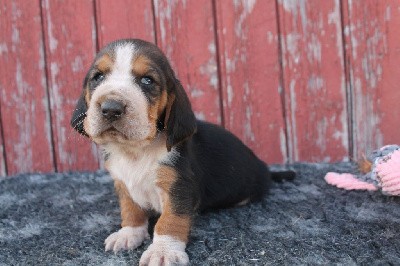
<point>130,94</point>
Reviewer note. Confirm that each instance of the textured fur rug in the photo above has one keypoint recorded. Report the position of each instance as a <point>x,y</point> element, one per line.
<point>64,218</point>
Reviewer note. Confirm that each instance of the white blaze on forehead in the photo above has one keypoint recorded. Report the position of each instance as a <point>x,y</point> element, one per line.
<point>121,71</point>
<point>123,59</point>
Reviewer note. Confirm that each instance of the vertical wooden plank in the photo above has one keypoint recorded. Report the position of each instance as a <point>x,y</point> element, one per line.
<point>372,30</point>
<point>70,35</point>
<point>185,32</point>
<point>314,80</point>
<point>24,101</point>
<point>3,169</point>
<point>248,52</point>
<point>124,19</point>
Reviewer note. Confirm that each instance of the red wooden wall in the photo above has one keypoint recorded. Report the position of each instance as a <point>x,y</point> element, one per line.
<point>295,80</point>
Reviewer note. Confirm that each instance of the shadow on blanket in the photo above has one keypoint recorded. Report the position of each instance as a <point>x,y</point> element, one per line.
<point>64,219</point>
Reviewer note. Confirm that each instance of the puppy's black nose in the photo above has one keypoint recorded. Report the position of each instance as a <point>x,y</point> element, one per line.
<point>112,109</point>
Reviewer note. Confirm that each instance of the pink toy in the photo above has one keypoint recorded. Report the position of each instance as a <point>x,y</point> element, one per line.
<point>381,172</point>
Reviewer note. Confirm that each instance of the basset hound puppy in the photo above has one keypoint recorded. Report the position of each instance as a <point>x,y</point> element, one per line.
<point>161,158</point>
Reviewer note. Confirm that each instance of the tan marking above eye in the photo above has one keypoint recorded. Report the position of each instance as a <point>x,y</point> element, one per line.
<point>104,63</point>
<point>141,66</point>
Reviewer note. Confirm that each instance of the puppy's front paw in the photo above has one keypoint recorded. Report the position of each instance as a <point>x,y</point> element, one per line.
<point>126,238</point>
<point>165,250</point>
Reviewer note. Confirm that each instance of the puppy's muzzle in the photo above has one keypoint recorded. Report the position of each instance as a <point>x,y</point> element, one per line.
<point>112,109</point>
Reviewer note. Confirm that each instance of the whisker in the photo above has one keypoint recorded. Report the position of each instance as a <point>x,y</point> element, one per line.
<point>79,116</point>
<point>78,124</point>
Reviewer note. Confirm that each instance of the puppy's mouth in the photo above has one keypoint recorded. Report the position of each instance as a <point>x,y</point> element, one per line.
<point>127,128</point>
<point>120,132</point>
<point>113,132</point>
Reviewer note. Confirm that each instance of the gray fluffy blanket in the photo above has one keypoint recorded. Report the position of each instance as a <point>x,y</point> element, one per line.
<point>63,219</point>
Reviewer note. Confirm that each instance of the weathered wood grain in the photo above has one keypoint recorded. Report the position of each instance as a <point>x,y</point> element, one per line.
<point>314,80</point>
<point>3,169</point>
<point>185,32</point>
<point>248,55</point>
<point>122,19</point>
<point>24,101</point>
<point>70,36</point>
<point>372,33</point>
<point>295,80</point>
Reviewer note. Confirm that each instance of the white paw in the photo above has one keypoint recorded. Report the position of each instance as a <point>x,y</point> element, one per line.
<point>165,250</point>
<point>126,238</point>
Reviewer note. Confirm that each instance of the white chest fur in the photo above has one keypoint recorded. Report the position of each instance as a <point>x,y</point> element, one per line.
<point>139,173</point>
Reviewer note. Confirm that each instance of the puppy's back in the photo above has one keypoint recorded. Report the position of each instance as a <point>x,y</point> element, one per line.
<point>229,172</point>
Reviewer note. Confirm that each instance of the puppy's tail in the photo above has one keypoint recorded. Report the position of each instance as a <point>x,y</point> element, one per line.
<point>283,175</point>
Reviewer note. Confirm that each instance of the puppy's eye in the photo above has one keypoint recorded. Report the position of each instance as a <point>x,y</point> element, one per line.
<point>146,80</point>
<point>98,77</point>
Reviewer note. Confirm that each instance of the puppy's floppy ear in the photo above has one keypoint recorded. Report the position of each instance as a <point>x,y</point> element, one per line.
<point>79,115</point>
<point>179,118</point>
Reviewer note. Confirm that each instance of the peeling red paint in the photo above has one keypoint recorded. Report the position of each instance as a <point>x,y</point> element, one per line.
<point>372,30</point>
<point>250,75</point>
<point>185,32</point>
<point>24,108</point>
<point>124,19</point>
<point>3,171</point>
<point>314,80</point>
<point>295,80</point>
<point>68,30</point>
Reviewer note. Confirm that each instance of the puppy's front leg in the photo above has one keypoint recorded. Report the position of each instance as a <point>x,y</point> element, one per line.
<point>134,223</point>
<point>170,237</point>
